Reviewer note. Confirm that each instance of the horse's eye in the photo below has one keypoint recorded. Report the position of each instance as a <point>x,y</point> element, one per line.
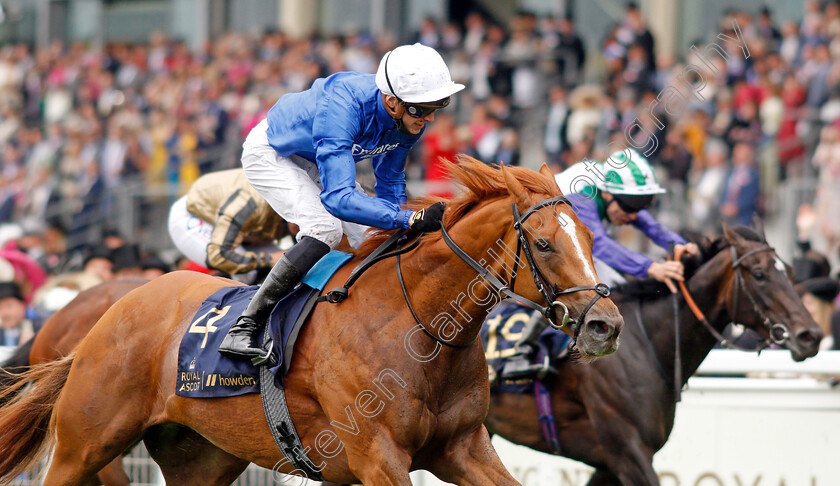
<point>543,245</point>
<point>759,274</point>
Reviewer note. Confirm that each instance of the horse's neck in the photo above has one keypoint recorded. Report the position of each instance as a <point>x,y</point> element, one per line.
<point>695,340</point>
<point>455,296</point>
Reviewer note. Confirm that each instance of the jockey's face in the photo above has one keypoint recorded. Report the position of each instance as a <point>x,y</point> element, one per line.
<point>615,214</point>
<point>411,124</point>
<point>414,125</point>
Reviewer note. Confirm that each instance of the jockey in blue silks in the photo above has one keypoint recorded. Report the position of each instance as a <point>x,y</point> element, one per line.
<point>302,160</point>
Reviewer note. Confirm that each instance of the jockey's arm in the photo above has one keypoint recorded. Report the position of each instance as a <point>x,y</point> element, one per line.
<point>334,131</point>
<point>605,248</point>
<point>659,234</point>
<point>389,170</point>
<point>227,236</point>
<point>342,200</point>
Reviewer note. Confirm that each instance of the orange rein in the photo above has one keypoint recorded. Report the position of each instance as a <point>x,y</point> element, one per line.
<point>678,252</point>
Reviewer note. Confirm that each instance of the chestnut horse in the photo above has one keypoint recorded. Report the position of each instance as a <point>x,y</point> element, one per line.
<point>617,412</point>
<point>119,385</point>
<point>59,336</point>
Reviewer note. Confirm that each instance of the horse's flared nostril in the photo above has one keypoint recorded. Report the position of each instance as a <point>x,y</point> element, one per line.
<point>808,338</point>
<point>598,327</point>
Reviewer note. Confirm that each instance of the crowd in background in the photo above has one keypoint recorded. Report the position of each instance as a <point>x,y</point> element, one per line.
<point>77,123</point>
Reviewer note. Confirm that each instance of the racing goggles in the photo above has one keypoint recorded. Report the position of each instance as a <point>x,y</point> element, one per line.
<point>631,204</point>
<point>424,109</point>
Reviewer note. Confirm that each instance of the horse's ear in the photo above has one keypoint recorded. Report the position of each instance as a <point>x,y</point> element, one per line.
<point>758,226</point>
<point>730,235</point>
<point>516,189</point>
<point>544,170</point>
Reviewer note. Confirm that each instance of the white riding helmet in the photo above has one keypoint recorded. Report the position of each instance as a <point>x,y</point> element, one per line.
<point>415,74</point>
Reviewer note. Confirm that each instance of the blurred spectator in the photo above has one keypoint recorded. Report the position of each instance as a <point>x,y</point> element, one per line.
<point>709,185</point>
<point>487,147</point>
<point>740,199</point>
<point>569,52</point>
<point>16,328</point>
<point>112,238</point>
<point>28,274</point>
<point>153,267</point>
<point>440,143</point>
<point>508,151</point>
<point>99,262</point>
<point>585,114</point>
<point>127,263</point>
<point>555,127</point>
<point>827,161</point>
<point>813,281</point>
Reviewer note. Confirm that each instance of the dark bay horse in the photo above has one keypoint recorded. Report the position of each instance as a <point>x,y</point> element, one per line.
<point>118,387</point>
<point>616,413</point>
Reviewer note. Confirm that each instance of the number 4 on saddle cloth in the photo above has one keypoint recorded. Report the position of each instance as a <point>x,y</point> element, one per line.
<point>500,332</point>
<point>203,372</point>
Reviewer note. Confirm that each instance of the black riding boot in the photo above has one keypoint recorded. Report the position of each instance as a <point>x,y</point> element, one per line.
<point>519,365</point>
<point>243,339</point>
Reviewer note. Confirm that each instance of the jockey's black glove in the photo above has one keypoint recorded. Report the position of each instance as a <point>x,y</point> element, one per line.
<point>428,219</point>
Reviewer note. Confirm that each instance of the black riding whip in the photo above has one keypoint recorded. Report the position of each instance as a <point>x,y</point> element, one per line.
<point>675,296</point>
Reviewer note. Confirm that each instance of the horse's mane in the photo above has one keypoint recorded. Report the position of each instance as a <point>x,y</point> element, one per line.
<point>479,182</point>
<point>648,289</point>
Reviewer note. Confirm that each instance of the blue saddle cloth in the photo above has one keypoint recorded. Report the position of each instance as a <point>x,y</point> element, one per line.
<point>203,372</point>
<point>499,334</point>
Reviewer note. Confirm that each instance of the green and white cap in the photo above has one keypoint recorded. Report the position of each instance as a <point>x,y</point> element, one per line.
<point>628,172</point>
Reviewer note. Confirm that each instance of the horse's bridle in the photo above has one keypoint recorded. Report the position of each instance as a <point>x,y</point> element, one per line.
<point>777,333</point>
<point>549,292</point>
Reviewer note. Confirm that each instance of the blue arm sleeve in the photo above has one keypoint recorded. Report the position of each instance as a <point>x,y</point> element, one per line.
<point>389,170</point>
<point>604,247</point>
<point>336,125</point>
<point>657,233</point>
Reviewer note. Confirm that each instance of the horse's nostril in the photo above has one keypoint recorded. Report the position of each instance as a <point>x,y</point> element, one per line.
<point>598,327</point>
<point>807,338</point>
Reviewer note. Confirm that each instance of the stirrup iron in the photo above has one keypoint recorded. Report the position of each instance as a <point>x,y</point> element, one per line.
<point>268,358</point>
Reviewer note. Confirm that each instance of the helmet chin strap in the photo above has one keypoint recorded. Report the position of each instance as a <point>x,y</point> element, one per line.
<point>396,113</point>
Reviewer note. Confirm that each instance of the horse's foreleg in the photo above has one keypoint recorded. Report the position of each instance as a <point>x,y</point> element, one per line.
<point>186,458</point>
<point>382,462</point>
<point>472,460</point>
<point>113,474</point>
<point>626,454</point>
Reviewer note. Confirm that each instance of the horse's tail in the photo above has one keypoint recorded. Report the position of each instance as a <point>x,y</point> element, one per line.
<point>17,363</point>
<point>25,421</point>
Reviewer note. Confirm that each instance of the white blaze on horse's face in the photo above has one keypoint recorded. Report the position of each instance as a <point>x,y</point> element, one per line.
<point>780,265</point>
<point>570,228</point>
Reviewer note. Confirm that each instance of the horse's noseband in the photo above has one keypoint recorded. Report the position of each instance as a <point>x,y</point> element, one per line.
<point>601,289</point>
